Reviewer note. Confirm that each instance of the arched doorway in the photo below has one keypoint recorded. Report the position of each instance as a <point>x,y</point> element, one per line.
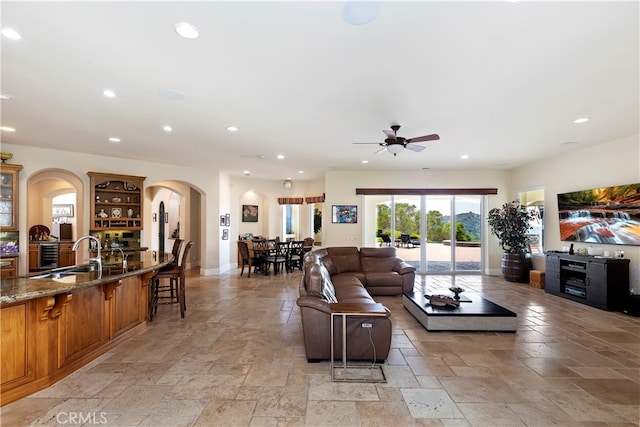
<point>162,226</point>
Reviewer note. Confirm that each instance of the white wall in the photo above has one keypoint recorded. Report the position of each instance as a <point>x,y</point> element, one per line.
<point>341,189</point>
<point>609,164</point>
<point>36,159</point>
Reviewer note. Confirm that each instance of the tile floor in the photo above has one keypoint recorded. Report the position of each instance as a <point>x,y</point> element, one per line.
<point>237,359</point>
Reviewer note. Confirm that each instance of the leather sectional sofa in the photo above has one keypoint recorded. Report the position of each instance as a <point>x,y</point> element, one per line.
<point>349,275</point>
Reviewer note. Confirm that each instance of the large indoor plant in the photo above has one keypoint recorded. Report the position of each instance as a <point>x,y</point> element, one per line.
<point>511,224</point>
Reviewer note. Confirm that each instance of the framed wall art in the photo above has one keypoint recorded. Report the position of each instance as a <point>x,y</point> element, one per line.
<point>227,220</point>
<point>249,213</point>
<point>222,220</point>
<point>62,211</point>
<point>344,214</point>
<point>225,234</point>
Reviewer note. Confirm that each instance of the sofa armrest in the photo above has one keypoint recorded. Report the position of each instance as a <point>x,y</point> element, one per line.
<point>403,267</point>
<point>314,302</point>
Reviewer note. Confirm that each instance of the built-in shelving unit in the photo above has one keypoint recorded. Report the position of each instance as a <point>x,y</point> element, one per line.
<point>595,281</point>
<point>117,208</point>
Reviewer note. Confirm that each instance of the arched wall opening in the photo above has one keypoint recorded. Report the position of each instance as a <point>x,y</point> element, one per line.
<point>183,218</point>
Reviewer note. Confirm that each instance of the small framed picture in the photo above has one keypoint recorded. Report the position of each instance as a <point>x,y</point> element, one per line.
<point>116,212</point>
<point>344,214</point>
<point>227,220</point>
<point>222,220</point>
<point>225,234</point>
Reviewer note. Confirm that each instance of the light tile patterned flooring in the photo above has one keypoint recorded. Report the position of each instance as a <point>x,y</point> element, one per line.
<point>238,359</point>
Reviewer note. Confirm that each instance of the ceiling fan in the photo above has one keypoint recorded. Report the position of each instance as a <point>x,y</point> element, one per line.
<point>395,144</point>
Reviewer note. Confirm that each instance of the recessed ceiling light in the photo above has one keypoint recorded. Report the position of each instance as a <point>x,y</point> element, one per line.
<point>232,129</point>
<point>109,93</point>
<point>167,128</point>
<point>186,30</point>
<point>7,129</point>
<point>365,161</point>
<point>288,177</point>
<point>5,96</point>
<point>280,157</point>
<point>114,140</point>
<point>581,120</point>
<point>300,171</point>
<point>11,34</point>
<point>464,156</point>
<point>246,173</point>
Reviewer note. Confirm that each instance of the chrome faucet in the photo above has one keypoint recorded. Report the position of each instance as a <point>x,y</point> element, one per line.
<point>98,258</point>
<point>124,257</point>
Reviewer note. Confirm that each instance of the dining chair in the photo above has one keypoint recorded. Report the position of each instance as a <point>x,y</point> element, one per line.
<point>279,257</point>
<point>296,252</point>
<point>261,250</point>
<point>176,276</point>
<point>248,258</point>
<point>308,244</point>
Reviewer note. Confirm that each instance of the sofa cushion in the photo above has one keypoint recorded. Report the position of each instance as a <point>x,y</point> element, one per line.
<point>378,259</point>
<point>328,291</point>
<point>328,263</point>
<point>384,279</point>
<point>313,280</point>
<point>345,258</point>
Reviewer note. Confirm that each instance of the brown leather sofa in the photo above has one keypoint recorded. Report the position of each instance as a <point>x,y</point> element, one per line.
<point>349,275</point>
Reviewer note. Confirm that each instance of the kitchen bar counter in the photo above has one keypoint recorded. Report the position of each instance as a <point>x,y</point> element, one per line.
<point>52,325</point>
<point>29,287</point>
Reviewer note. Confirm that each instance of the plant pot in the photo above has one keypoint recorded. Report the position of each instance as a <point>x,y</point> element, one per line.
<point>516,267</point>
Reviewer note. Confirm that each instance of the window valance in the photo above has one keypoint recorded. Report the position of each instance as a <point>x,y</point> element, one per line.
<point>315,199</point>
<point>290,200</point>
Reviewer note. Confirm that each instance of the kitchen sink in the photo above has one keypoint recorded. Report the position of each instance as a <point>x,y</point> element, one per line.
<point>63,272</point>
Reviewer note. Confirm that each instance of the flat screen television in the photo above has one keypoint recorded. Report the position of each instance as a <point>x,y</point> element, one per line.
<point>601,215</point>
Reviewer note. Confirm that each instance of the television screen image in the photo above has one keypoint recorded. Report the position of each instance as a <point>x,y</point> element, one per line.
<point>602,215</point>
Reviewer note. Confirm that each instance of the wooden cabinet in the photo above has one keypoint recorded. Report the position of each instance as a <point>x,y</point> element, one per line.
<point>9,196</point>
<point>34,264</point>
<point>598,282</point>
<point>116,202</point>
<point>66,256</point>
<point>10,270</point>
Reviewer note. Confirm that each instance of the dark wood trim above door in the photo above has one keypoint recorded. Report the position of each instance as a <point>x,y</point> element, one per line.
<point>425,191</point>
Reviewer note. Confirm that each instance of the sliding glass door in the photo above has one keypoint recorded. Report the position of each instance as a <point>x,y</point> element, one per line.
<point>438,234</point>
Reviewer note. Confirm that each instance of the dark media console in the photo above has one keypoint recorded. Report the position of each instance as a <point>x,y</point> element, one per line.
<point>595,281</point>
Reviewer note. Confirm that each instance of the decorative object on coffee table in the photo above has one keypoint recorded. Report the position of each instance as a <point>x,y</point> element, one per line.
<point>457,290</point>
<point>511,225</point>
<point>442,301</point>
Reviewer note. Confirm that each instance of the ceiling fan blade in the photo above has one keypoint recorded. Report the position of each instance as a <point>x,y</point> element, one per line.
<point>383,149</point>
<point>377,143</point>
<point>414,147</point>
<point>432,137</point>
<point>390,134</point>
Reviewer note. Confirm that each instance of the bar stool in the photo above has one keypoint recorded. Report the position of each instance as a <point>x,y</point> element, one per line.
<point>175,273</point>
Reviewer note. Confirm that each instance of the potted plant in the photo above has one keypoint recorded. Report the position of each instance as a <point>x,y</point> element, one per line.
<point>511,224</point>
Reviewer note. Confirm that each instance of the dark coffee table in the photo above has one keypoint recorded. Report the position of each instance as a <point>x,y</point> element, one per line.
<point>474,314</point>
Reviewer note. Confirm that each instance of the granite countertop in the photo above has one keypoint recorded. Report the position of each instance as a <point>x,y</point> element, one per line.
<point>34,286</point>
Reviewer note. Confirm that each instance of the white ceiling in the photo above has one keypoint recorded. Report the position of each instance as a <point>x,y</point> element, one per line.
<point>499,81</point>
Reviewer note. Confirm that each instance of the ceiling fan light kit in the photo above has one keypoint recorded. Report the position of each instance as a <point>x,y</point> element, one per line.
<point>395,148</point>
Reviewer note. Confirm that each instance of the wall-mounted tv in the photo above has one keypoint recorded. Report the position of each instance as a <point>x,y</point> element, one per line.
<point>602,215</point>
